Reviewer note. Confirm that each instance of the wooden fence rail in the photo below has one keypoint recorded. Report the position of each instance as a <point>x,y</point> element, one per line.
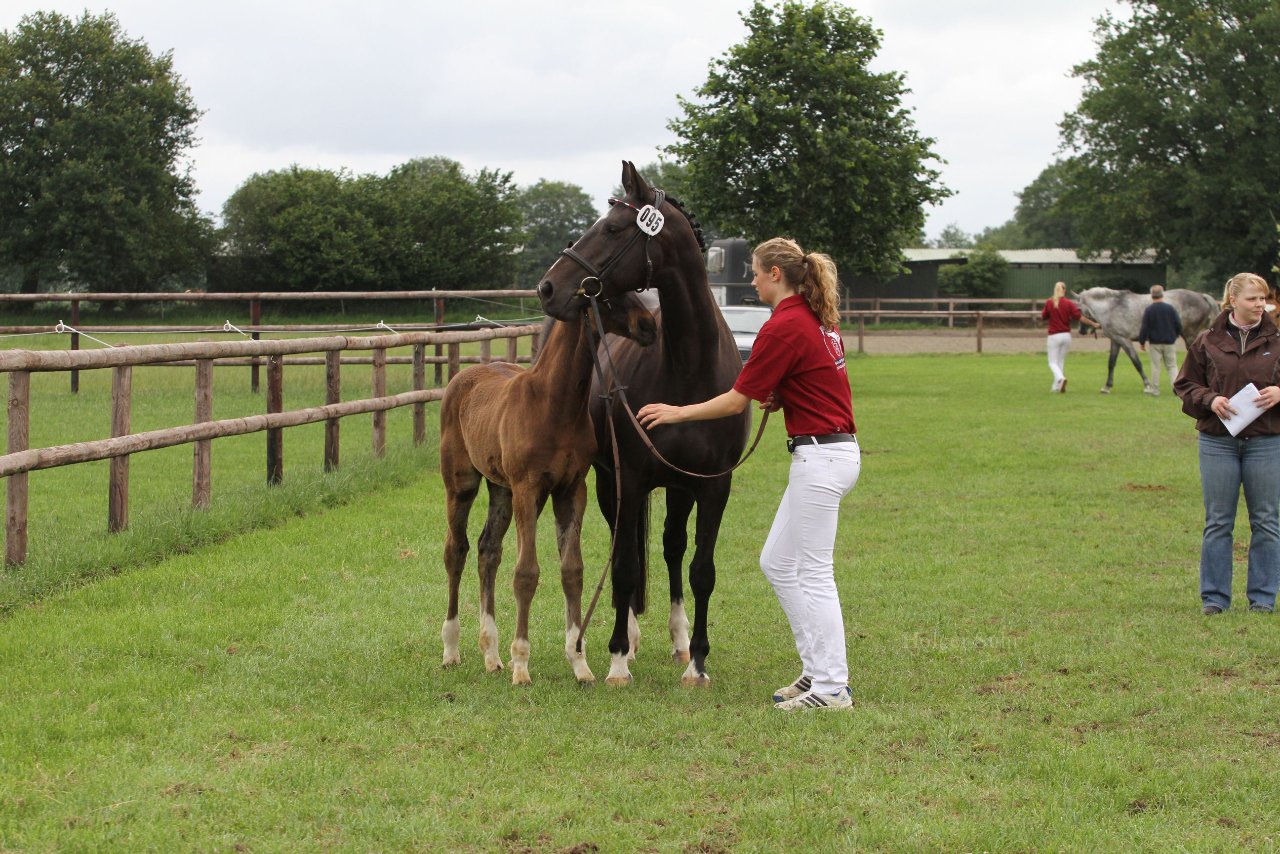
<point>977,316</point>
<point>20,364</point>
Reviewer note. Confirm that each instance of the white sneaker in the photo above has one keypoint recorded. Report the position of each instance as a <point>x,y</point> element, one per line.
<point>795,689</point>
<point>842,699</point>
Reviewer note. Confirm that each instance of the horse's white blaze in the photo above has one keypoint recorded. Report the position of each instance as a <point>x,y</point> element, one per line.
<point>693,677</point>
<point>619,673</point>
<point>578,660</point>
<point>633,635</point>
<point>520,663</point>
<point>678,626</point>
<point>449,634</point>
<point>489,643</point>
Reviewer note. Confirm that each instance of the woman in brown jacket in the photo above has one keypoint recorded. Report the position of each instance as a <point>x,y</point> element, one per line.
<point>1241,347</point>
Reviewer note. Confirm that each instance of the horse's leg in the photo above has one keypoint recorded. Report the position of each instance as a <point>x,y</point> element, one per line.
<point>1137,363</point>
<point>569,506</point>
<point>627,588</point>
<point>527,501</point>
<point>675,540</point>
<point>645,507</point>
<point>490,558</point>
<point>712,498</point>
<point>608,503</point>
<point>1111,367</point>
<point>461,483</point>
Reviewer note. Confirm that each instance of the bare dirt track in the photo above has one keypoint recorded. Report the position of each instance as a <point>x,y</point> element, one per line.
<point>963,341</point>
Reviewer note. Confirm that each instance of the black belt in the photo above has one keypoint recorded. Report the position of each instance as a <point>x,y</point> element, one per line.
<point>826,439</point>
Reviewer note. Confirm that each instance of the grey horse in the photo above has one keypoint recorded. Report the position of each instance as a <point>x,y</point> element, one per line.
<point>1120,314</point>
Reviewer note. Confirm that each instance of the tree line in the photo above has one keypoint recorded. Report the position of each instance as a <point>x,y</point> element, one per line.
<point>1172,147</point>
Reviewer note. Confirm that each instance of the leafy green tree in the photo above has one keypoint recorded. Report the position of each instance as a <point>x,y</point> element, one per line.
<point>1040,221</point>
<point>982,274</point>
<point>94,132</point>
<point>302,230</point>
<point>792,134</point>
<point>445,229</point>
<point>953,237</point>
<point>555,214</point>
<point>1175,141</point>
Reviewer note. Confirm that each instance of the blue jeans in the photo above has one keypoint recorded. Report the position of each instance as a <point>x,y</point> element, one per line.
<point>1227,464</point>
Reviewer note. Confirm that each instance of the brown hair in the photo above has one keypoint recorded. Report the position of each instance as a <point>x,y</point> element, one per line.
<point>1238,282</point>
<point>813,274</point>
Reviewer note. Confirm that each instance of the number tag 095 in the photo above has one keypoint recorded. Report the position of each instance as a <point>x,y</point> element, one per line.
<point>650,220</point>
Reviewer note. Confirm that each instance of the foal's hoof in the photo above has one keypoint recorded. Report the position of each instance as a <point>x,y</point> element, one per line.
<point>451,661</point>
<point>680,656</point>
<point>520,677</point>
<point>494,666</point>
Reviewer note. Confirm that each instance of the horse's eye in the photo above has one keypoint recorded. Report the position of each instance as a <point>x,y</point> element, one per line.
<point>612,229</point>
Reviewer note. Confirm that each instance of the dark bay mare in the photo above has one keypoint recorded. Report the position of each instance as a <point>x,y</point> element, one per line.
<point>1120,313</point>
<point>528,435</point>
<point>693,359</point>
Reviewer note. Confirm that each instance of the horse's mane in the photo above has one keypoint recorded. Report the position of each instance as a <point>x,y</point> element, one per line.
<point>693,222</point>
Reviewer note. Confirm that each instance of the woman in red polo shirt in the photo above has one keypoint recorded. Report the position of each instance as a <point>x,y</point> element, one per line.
<point>1060,311</point>
<point>797,363</point>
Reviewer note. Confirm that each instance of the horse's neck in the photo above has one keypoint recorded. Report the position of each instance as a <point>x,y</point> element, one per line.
<point>563,369</point>
<point>690,328</point>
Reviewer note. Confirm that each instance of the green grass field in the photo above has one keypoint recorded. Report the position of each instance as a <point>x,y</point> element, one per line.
<point>1018,572</point>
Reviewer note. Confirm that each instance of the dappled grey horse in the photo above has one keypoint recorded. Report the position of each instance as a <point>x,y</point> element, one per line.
<point>1120,314</point>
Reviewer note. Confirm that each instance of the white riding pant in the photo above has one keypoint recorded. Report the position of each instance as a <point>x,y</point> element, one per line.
<point>798,557</point>
<point>1059,343</point>
<point>1163,355</point>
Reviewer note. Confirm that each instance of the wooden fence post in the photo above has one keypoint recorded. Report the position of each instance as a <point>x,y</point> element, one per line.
<point>979,325</point>
<point>419,383</point>
<point>512,352</point>
<point>75,343</point>
<point>202,468</point>
<point>439,323</point>
<point>121,407</point>
<point>15,530</point>
<point>255,319</point>
<point>862,330</point>
<point>486,351</point>
<point>275,403</point>
<point>455,359</point>
<point>332,394</point>
<point>379,390</point>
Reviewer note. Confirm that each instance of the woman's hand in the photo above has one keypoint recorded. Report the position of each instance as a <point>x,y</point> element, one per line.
<point>653,414</point>
<point>1268,397</point>
<point>771,403</point>
<point>1221,407</point>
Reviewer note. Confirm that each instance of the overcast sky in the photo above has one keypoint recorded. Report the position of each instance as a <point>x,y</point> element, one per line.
<point>567,89</point>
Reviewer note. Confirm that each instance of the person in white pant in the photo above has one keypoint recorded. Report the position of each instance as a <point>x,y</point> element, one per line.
<point>797,364</point>
<point>1060,312</point>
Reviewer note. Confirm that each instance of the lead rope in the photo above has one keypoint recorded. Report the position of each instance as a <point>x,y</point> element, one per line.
<point>608,395</point>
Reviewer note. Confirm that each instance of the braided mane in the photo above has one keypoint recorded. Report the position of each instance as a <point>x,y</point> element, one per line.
<point>693,222</point>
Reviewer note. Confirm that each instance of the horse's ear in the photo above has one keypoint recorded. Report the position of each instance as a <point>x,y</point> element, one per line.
<point>632,182</point>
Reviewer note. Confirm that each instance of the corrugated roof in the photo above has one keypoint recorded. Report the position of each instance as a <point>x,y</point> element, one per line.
<point>1032,256</point>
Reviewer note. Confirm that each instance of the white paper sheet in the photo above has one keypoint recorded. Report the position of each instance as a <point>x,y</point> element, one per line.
<point>1246,410</point>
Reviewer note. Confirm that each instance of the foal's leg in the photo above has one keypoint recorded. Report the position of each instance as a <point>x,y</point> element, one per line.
<point>569,507</point>
<point>461,483</point>
<point>490,558</point>
<point>526,503</point>
<point>712,498</point>
<point>675,540</point>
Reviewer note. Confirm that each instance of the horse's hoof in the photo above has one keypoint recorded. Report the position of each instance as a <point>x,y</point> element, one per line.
<point>1104,390</point>
<point>451,661</point>
<point>520,677</point>
<point>618,681</point>
<point>493,666</point>
<point>589,679</point>
<point>696,680</point>
<point>680,656</point>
